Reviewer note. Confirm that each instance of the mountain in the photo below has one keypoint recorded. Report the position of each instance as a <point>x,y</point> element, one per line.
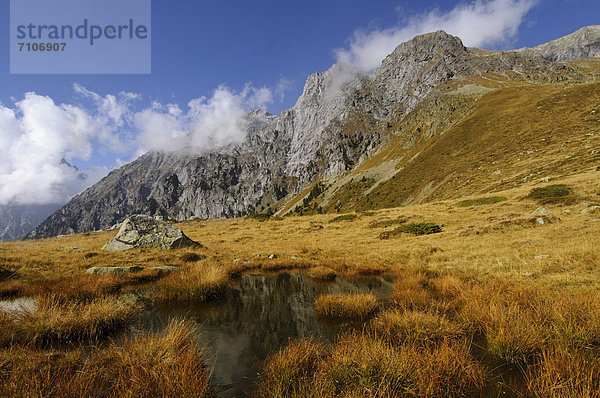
<point>17,220</point>
<point>354,140</point>
<point>584,43</point>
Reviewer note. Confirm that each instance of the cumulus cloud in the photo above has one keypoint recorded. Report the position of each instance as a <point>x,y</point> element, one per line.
<point>480,23</point>
<point>37,136</point>
<point>206,123</point>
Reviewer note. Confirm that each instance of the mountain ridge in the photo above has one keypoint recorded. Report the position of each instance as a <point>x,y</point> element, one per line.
<point>342,118</point>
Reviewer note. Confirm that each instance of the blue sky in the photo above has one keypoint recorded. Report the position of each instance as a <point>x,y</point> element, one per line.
<point>198,46</point>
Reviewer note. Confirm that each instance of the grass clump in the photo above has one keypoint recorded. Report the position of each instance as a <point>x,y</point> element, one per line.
<point>153,365</point>
<point>387,223</point>
<point>199,282</point>
<point>322,273</point>
<point>565,373</point>
<point>553,194</point>
<point>481,201</point>
<point>417,229</point>
<point>344,217</point>
<point>11,288</point>
<point>77,287</point>
<point>190,257</point>
<point>409,293</point>
<point>288,373</point>
<point>414,326</point>
<point>361,365</point>
<point>55,320</point>
<point>346,306</point>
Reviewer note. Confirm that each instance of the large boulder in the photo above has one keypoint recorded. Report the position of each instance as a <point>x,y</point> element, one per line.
<point>145,231</point>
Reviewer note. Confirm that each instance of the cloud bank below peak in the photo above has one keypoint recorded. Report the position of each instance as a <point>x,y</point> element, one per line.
<point>40,139</point>
<point>480,23</point>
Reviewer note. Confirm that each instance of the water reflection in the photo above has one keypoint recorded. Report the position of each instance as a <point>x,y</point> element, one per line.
<point>260,314</point>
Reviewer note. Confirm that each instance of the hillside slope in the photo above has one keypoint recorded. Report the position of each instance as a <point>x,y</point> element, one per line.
<point>480,135</point>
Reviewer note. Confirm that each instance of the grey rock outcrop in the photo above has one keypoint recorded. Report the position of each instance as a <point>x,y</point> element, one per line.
<point>145,231</point>
<point>342,117</point>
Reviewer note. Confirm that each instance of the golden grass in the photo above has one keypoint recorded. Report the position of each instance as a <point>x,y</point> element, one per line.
<point>168,364</point>
<point>414,326</point>
<point>346,306</point>
<point>289,372</point>
<point>520,322</point>
<point>565,373</point>
<point>194,283</point>
<point>361,365</point>
<point>520,292</point>
<point>321,273</point>
<point>57,321</point>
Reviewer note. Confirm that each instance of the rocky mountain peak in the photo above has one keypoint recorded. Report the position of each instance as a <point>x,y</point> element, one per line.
<point>583,43</point>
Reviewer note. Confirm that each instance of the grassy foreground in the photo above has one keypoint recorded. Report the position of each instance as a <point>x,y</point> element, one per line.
<point>504,297</point>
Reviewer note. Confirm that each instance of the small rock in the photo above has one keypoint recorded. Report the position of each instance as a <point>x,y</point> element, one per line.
<point>540,210</point>
<point>542,257</point>
<point>113,270</point>
<point>71,249</point>
<point>590,209</point>
<point>164,268</point>
<point>237,260</point>
<point>545,179</point>
<point>295,258</point>
<point>526,242</point>
<point>566,212</point>
<point>497,172</point>
<point>272,256</point>
<point>539,220</point>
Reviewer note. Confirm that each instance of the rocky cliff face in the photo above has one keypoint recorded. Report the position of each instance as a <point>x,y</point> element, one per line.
<point>341,117</point>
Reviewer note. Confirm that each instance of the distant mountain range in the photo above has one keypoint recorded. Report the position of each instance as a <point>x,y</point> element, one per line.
<point>436,120</point>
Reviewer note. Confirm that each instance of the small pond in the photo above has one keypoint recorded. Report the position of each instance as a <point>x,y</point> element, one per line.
<point>259,315</point>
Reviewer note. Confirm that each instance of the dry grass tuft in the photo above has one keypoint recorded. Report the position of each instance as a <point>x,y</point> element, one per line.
<point>346,306</point>
<point>321,273</point>
<point>565,373</point>
<point>57,321</point>
<point>147,366</point>
<point>359,365</point>
<point>414,326</point>
<point>11,288</point>
<point>411,293</point>
<point>288,373</point>
<point>198,282</point>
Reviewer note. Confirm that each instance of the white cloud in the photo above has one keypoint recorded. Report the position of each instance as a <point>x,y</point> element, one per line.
<point>282,87</point>
<point>480,23</point>
<point>206,124</point>
<point>35,138</point>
